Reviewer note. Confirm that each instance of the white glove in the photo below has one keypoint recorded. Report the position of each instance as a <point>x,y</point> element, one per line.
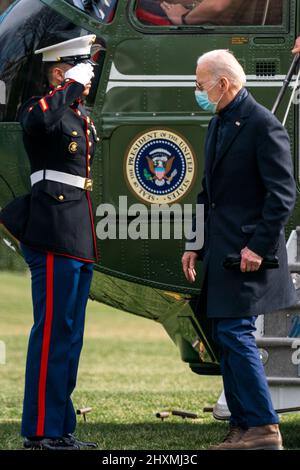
<point>81,73</point>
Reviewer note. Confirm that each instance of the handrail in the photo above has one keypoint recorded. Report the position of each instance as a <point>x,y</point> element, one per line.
<point>286,82</point>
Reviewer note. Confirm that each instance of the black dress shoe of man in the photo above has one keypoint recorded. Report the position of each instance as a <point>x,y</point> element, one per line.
<point>49,444</point>
<point>73,440</point>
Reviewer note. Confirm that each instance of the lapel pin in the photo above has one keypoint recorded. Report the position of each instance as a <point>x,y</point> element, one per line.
<point>237,123</point>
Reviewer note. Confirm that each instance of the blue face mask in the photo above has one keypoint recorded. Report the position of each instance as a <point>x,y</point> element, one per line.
<point>204,102</point>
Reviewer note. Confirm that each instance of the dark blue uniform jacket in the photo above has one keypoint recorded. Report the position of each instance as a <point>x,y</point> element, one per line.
<point>58,135</point>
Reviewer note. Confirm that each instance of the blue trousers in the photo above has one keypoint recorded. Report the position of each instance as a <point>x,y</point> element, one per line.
<point>60,289</point>
<point>245,384</point>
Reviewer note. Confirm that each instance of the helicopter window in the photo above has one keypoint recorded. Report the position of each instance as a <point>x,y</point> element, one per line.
<point>102,10</point>
<point>28,26</point>
<point>219,13</point>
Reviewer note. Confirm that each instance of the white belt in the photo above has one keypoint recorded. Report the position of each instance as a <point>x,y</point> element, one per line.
<point>60,177</point>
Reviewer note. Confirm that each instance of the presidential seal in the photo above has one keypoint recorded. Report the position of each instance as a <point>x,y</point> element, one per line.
<point>160,166</point>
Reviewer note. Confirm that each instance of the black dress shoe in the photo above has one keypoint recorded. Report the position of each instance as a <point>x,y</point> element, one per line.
<point>73,440</point>
<point>49,444</point>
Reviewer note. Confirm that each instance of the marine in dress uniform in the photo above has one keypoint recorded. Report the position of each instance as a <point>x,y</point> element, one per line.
<point>54,224</point>
<point>248,193</point>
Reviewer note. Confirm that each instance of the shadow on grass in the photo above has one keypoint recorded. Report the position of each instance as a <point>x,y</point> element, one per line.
<point>185,435</point>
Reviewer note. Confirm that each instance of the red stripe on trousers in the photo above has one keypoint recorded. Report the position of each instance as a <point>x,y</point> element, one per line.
<point>45,346</point>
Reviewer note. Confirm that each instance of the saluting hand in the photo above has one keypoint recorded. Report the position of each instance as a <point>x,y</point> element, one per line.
<point>188,260</point>
<point>296,49</point>
<point>81,73</point>
<point>250,261</point>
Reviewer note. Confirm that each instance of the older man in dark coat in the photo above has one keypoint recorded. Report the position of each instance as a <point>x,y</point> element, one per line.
<point>248,192</point>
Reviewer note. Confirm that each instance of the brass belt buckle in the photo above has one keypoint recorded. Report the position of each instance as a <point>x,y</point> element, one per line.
<point>88,184</point>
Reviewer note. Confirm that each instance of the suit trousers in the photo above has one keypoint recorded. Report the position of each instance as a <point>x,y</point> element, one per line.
<point>60,289</point>
<point>245,384</point>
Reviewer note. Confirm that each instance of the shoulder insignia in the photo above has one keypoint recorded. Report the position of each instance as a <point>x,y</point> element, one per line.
<point>44,105</point>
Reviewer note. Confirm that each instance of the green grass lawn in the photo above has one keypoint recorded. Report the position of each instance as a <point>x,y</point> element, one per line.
<point>129,370</point>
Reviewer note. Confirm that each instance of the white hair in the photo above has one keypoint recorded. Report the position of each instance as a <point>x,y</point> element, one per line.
<point>222,63</point>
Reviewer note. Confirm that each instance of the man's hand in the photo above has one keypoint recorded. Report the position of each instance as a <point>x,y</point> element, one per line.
<point>81,73</point>
<point>174,12</point>
<point>188,260</point>
<point>250,261</point>
<point>296,49</point>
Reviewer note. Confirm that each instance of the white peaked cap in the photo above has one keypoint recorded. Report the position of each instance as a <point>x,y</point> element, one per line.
<point>78,48</point>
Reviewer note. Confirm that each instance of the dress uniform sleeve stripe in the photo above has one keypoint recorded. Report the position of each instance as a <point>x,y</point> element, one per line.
<point>45,345</point>
<point>44,105</point>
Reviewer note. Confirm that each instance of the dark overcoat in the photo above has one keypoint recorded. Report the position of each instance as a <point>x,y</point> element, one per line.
<point>249,193</point>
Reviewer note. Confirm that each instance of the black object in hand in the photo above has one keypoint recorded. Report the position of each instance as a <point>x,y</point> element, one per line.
<point>234,262</point>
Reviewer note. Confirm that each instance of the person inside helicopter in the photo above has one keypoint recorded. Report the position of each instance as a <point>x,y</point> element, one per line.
<point>222,12</point>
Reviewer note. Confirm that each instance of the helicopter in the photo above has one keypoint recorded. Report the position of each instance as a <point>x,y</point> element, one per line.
<point>151,150</point>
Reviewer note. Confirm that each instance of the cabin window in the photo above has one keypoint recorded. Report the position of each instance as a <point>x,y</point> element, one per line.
<point>102,10</point>
<point>30,25</point>
<point>210,12</point>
